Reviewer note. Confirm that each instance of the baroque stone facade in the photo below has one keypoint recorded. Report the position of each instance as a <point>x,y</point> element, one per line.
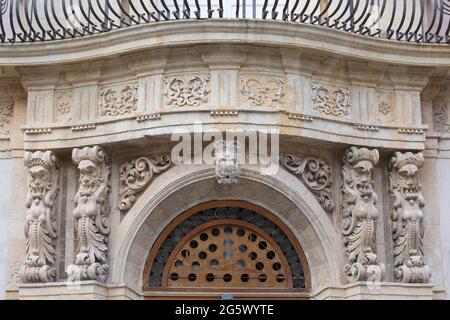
<point>360,148</point>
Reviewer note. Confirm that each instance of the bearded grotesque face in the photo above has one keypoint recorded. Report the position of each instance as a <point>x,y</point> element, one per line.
<point>408,181</point>
<point>89,178</point>
<point>39,182</point>
<point>362,177</point>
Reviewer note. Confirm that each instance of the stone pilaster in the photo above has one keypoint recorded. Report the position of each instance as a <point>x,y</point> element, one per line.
<point>360,215</point>
<point>407,218</point>
<point>91,215</point>
<point>40,220</point>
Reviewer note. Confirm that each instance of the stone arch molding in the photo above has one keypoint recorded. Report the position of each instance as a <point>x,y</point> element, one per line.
<point>185,186</point>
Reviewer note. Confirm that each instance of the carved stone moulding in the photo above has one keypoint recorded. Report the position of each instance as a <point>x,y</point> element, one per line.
<point>316,174</point>
<point>180,92</point>
<point>91,215</point>
<point>360,215</point>
<point>300,117</point>
<point>40,219</point>
<point>116,102</point>
<point>331,101</point>
<point>261,92</point>
<point>136,175</point>
<point>148,117</point>
<point>407,217</point>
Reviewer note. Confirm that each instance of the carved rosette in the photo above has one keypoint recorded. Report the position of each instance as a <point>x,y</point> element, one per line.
<point>91,215</point>
<point>40,220</point>
<point>226,162</point>
<point>315,173</point>
<point>113,102</point>
<point>189,93</point>
<point>136,175</point>
<point>264,93</point>
<point>407,217</point>
<point>360,215</point>
<point>330,101</point>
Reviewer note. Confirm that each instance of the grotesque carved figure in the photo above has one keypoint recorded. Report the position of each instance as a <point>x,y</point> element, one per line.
<point>91,215</point>
<point>360,215</point>
<point>40,224</point>
<point>226,162</point>
<point>407,218</point>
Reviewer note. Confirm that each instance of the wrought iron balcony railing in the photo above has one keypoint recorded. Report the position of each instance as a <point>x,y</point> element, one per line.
<point>424,21</point>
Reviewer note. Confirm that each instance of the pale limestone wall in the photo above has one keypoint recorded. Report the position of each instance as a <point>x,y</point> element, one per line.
<point>444,204</point>
<point>5,191</point>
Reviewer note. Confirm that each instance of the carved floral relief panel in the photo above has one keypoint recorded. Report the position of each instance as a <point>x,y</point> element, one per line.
<point>63,106</point>
<point>385,106</point>
<point>6,114</point>
<point>182,91</point>
<point>440,118</point>
<point>118,101</point>
<point>263,91</point>
<point>330,100</point>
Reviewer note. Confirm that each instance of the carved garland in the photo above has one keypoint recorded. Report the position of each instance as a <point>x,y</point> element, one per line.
<point>259,93</point>
<point>190,93</point>
<point>91,215</point>
<point>136,175</point>
<point>113,103</point>
<point>360,215</point>
<point>40,224</point>
<point>316,174</point>
<point>407,218</point>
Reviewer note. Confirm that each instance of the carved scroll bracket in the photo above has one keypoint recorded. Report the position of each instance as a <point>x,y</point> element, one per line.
<point>316,174</point>
<point>136,175</point>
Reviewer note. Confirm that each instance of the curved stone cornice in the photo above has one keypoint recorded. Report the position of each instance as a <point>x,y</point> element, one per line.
<point>269,33</point>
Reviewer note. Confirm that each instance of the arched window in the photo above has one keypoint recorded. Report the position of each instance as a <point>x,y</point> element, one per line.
<point>226,247</point>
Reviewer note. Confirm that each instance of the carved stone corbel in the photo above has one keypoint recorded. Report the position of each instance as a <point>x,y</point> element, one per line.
<point>407,217</point>
<point>91,215</point>
<point>360,215</point>
<point>226,162</point>
<point>315,173</point>
<point>40,220</point>
<point>136,175</point>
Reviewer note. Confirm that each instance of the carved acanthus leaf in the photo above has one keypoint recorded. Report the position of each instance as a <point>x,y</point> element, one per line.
<point>331,101</point>
<point>360,215</point>
<point>316,174</point>
<point>91,215</point>
<point>407,217</point>
<point>136,175</point>
<point>40,221</point>
<point>189,93</point>
<point>113,102</point>
<point>264,93</point>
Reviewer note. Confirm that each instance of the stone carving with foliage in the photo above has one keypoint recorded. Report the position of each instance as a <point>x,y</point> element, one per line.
<point>407,218</point>
<point>6,113</point>
<point>315,173</point>
<point>360,215</point>
<point>440,118</point>
<point>113,102</point>
<point>136,175</point>
<point>91,215</point>
<point>40,219</point>
<point>264,93</point>
<point>335,102</point>
<point>181,93</point>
